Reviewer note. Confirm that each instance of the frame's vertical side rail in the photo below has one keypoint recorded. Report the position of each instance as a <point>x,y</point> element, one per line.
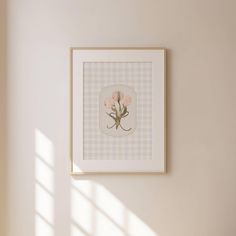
<point>165,111</point>
<point>71,111</point>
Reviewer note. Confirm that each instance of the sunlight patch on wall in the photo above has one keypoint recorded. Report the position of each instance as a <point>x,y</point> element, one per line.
<point>42,228</point>
<point>110,205</point>
<point>44,175</point>
<point>81,213</point>
<point>137,227</point>
<point>44,148</point>
<point>97,212</point>
<point>44,185</point>
<point>77,231</point>
<point>44,204</point>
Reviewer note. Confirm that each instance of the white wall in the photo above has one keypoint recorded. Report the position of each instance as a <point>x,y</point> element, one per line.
<point>197,195</point>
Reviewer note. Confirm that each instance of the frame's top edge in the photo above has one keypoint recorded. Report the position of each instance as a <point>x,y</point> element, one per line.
<point>118,48</point>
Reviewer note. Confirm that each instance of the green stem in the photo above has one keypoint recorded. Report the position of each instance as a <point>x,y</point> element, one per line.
<point>124,128</point>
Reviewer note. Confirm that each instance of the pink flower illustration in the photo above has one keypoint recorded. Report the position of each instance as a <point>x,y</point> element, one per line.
<point>126,100</point>
<point>117,96</point>
<point>109,102</point>
<point>117,105</point>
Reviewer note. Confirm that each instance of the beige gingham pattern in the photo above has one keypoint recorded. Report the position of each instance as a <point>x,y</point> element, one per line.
<point>99,146</point>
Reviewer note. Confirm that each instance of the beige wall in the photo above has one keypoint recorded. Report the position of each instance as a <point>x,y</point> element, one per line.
<point>197,195</point>
<point>2,116</point>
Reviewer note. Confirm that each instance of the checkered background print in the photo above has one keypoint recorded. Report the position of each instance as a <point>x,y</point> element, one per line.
<point>99,146</point>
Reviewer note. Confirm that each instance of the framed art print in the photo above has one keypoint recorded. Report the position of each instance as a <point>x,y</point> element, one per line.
<point>117,110</point>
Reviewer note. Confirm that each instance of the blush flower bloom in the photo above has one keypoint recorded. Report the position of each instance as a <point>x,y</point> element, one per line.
<point>117,96</point>
<point>126,100</point>
<point>117,105</point>
<point>108,103</point>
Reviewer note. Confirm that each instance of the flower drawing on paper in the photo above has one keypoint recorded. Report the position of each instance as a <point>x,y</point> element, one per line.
<point>117,109</point>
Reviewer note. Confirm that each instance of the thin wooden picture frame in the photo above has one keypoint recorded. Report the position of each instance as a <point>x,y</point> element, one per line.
<point>93,164</point>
